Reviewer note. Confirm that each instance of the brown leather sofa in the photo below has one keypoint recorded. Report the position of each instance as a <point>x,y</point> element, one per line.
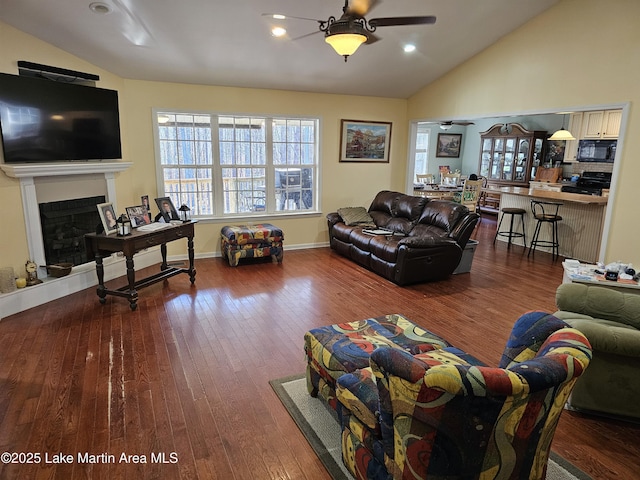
<point>429,238</point>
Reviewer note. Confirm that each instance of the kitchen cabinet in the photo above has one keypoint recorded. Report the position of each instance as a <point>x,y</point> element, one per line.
<point>601,124</point>
<point>510,154</point>
<point>571,146</point>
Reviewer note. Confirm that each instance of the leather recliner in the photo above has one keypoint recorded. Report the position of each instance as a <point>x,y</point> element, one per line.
<point>427,244</point>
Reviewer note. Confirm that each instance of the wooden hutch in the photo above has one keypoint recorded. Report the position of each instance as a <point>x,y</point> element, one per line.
<point>509,156</point>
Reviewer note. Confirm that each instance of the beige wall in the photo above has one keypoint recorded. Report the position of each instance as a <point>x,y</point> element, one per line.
<point>343,184</point>
<point>578,53</point>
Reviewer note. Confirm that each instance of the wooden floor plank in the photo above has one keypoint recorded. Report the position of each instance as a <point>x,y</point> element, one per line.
<point>187,372</point>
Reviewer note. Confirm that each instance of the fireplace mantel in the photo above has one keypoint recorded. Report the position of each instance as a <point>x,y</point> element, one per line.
<point>26,170</point>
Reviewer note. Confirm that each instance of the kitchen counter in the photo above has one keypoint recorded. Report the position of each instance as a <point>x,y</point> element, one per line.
<point>550,195</point>
<point>579,232</point>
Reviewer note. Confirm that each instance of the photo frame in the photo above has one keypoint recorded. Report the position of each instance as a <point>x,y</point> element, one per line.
<point>449,145</point>
<point>145,201</point>
<point>167,209</point>
<point>108,217</point>
<point>138,215</point>
<point>364,142</point>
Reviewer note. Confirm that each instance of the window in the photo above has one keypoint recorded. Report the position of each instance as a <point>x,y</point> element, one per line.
<point>421,149</point>
<point>228,165</point>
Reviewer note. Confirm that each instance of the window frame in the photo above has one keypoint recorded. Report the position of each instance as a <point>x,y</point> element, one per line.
<point>218,193</point>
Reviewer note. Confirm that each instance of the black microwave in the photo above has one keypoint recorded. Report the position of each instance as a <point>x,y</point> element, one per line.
<point>597,151</point>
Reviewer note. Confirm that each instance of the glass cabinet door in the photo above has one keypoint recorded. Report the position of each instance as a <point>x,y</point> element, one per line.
<point>521,159</point>
<point>509,154</point>
<point>485,159</point>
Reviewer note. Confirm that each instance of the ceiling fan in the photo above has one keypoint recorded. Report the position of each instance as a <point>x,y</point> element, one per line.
<point>448,124</point>
<point>347,33</point>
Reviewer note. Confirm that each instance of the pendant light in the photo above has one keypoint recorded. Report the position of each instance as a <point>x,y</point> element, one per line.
<point>562,134</point>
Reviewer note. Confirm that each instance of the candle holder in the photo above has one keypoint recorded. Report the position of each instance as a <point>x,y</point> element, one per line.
<point>123,226</point>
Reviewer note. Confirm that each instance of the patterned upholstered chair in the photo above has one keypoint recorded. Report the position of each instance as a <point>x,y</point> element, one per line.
<point>443,414</point>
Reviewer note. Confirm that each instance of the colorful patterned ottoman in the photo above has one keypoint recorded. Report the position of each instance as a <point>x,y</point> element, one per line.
<point>335,350</point>
<point>251,241</point>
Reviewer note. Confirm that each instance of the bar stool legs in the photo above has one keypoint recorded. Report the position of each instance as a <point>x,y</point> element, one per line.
<point>546,212</point>
<point>511,234</point>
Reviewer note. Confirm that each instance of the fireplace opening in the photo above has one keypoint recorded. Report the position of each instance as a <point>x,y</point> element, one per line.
<point>64,224</point>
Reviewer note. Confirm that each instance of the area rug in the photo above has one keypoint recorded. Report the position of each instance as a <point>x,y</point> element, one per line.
<point>322,431</point>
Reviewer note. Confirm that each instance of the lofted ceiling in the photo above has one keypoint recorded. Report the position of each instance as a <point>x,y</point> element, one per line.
<point>229,42</point>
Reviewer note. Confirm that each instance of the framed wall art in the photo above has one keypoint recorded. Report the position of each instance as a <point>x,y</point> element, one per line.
<point>448,145</point>
<point>362,141</point>
<point>108,217</point>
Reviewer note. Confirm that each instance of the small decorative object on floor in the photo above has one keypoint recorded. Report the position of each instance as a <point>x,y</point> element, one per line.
<point>7,280</point>
<point>59,270</point>
<point>32,273</point>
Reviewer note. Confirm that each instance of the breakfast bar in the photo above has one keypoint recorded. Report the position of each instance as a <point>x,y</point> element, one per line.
<point>579,232</point>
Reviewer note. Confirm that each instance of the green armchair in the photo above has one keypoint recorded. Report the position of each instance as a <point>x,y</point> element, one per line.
<point>610,319</point>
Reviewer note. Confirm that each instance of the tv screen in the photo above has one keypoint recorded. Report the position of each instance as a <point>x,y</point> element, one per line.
<point>47,121</point>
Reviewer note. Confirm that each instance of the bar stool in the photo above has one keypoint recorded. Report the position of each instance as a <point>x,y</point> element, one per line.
<point>546,212</point>
<point>511,234</point>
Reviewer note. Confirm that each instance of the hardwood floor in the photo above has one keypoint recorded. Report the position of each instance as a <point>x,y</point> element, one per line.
<point>186,374</point>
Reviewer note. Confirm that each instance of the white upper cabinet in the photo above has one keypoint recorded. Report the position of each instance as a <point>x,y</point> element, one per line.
<point>575,127</point>
<point>601,124</point>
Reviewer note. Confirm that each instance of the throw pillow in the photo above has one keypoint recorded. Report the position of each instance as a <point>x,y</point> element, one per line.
<point>356,216</point>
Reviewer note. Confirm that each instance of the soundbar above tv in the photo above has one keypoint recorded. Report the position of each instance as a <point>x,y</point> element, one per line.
<point>42,120</point>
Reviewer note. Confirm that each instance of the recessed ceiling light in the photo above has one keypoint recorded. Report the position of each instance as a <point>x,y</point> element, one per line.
<point>100,8</point>
<point>278,31</point>
<point>409,47</point>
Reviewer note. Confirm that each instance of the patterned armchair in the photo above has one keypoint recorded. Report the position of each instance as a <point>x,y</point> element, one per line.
<point>443,414</point>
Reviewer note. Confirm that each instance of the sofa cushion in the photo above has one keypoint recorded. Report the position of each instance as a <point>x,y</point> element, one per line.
<point>355,216</point>
<point>384,202</point>
<point>443,214</point>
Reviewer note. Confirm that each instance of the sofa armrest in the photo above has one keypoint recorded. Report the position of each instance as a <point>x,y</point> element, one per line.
<point>333,218</point>
<point>426,241</point>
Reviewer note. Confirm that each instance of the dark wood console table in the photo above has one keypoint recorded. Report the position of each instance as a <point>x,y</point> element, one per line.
<point>101,245</point>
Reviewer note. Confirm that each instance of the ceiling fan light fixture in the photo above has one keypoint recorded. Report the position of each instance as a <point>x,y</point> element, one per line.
<point>409,47</point>
<point>278,32</point>
<point>445,126</point>
<point>345,44</point>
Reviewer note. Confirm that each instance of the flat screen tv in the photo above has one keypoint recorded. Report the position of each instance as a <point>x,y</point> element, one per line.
<point>50,121</point>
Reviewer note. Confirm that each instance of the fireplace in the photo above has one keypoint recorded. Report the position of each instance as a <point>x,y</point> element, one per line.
<point>64,224</point>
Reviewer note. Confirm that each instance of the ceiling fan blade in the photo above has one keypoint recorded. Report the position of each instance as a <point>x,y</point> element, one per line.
<point>397,21</point>
<point>282,16</point>
<point>371,38</point>
<point>463,123</point>
<point>305,35</point>
<point>360,8</point>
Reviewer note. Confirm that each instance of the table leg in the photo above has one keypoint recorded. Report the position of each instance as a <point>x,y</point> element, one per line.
<point>100,273</point>
<point>192,270</point>
<point>131,277</point>
<point>163,251</point>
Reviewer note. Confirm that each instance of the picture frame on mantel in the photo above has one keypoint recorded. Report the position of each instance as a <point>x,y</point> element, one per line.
<point>365,141</point>
<point>448,145</point>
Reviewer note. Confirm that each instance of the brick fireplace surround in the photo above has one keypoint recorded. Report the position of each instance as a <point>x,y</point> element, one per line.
<point>41,183</point>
